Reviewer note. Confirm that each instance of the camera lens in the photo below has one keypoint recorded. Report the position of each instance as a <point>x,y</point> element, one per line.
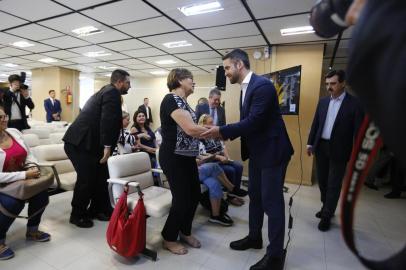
<point>327,17</point>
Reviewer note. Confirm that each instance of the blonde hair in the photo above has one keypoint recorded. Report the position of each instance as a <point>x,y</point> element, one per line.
<point>203,119</point>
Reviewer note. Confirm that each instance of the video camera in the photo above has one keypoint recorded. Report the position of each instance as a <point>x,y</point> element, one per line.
<point>328,17</point>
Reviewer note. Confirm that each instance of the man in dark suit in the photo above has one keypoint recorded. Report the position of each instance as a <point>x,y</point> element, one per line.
<point>15,100</point>
<point>265,142</point>
<point>213,108</point>
<point>331,137</point>
<point>146,109</point>
<point>52,107</point>
<point>88,143</point>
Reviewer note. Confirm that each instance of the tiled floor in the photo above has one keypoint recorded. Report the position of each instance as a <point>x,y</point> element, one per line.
<point>380,231</point>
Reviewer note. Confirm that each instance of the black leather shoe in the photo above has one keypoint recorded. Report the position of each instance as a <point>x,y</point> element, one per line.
<point>318,214</point>
<point>81,222</point>
<point>246,243</point>
<point>324,224</point>
<point>269,263</point>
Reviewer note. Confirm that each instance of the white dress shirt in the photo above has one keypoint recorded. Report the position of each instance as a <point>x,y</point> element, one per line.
<point>333,108</point>
<point>15,110</point>
<point>244,86</point>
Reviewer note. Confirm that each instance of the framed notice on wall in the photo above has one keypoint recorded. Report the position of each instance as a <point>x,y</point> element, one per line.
<point>287,85</point>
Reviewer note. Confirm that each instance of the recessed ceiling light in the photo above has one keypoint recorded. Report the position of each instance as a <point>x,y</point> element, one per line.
<point>10,65</point>
<point>96,54</point>
<point>22,44</point>
<point>107,75</point>
<point>159,72</point>
<point>297,30</point>
<point>4,75</point>
<point>202,8</point>
<point>166,62</point>
<point>87,31</point>
<point>48,60</point>
<point>105,67</point>
<point>177,44</point>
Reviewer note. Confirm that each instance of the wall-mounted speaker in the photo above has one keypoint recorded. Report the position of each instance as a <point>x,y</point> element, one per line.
<point>220,78</point>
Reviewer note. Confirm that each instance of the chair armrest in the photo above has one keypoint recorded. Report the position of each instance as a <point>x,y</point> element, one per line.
<point>122,182</point>
<point>46,164</point>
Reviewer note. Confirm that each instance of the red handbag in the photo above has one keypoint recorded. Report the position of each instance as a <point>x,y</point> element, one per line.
<point>126,233</point>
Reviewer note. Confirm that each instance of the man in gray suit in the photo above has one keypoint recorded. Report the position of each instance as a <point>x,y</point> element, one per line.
<point>213,108</point>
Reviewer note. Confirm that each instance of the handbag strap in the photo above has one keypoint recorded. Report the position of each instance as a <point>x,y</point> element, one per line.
<point>5,212</point>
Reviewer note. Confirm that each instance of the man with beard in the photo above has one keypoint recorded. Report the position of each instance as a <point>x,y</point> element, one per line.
<point>88,143</point>
<point>264,140</point>
<point>331,137</point>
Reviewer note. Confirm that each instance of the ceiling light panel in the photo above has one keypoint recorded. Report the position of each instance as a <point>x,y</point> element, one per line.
<point>300,30</point>
<point>183,37</point>
<point>233,12</point>
<point>87,31</point>
<point>201,8</point>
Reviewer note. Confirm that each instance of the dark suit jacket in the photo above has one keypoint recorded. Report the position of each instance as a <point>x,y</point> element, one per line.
<point>8,100</point>
<point>51,109</point>
<point>143,109</point>
<point>347,122</point>
<point>264,139</point>
<point>205,109</point>
<point>99,122</point>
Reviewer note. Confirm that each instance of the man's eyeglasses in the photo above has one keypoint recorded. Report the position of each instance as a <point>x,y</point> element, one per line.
<point>4,117</point>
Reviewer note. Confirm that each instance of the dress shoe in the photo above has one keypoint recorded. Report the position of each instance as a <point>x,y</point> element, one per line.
<point>246,243</point>
<point>269,263</point>
<point>318,214</point>
<point>81,222</point>
<point>324,224</point>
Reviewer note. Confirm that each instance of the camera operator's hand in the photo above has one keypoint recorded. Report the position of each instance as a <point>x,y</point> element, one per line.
<point>354,11</point>
<point>25,93</point>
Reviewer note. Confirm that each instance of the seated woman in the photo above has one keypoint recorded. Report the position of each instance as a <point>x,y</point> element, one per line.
<point>212,176</point>
<point>13,155</point>
<point>233,169</point>
<point>127,143</point>
<point>147,137</point>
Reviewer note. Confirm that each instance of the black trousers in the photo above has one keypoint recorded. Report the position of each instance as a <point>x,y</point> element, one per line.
<point>18,124</point>
<point>90,195</point>
<point>330,174</point>
<point>184,183</point>
<point>265,189</point>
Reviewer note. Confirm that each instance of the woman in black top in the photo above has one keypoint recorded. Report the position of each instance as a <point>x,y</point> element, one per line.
<point>177,157</point>
<point>142,130</point>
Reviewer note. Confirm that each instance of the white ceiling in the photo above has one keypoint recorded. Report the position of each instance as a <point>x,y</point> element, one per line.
<point>135,30</point>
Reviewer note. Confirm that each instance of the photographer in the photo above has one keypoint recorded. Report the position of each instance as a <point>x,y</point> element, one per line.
<point>15,100</point>
<point>377,58</point>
